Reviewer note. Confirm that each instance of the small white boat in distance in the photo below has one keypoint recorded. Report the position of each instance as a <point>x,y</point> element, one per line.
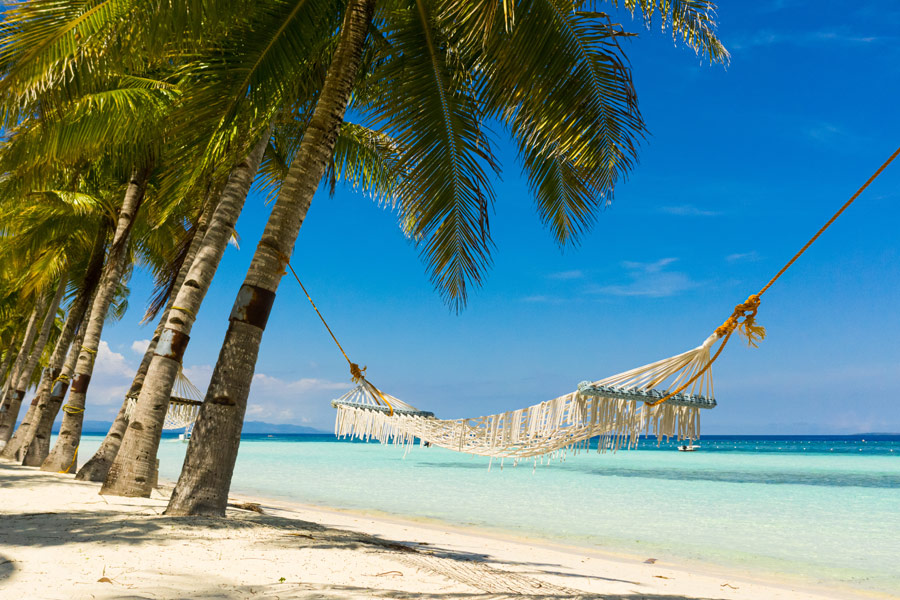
<point>691,448</point>
<point>184,437</point>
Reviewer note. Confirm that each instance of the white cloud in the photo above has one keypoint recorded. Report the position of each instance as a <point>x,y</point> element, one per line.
<point>688,210</point>
<point>110,381</point>
<point>541,299</point>
<point>842,37</point>
<point>648,279</point>
<point>304,401</point>
<point>743,256</point>
<point>199,375</point>
<point>564,275</point>
<point>140,346</point>
<point>298,386</point>
<point>111,363</point>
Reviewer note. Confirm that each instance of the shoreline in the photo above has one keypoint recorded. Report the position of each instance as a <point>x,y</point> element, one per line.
<point>61,537</point>
<point>368,521</point>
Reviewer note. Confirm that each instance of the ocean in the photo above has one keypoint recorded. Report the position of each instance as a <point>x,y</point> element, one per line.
<point>808,509</point>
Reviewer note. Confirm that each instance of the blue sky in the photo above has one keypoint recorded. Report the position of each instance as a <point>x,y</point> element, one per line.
<point>742,165</point>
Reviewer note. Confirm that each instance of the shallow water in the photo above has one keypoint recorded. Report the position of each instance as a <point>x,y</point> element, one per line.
<point>824,510</point>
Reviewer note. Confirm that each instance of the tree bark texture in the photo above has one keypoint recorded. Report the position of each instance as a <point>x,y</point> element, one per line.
<point>10,398</point>
<point>15,443</point>
<point>47,408</point>
<point>7,358</point>
<point>202,488</point>
<point>38,447</point>
<point>132,471</point>
<point>63,456</point>
<point>97,468</point>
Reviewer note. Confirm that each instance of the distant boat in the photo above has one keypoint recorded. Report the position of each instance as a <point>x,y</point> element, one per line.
<point>691,448</point>
<point>184,437</point>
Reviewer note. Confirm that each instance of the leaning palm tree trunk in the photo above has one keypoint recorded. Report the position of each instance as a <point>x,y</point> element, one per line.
<point>97,467</point>
<point>10,450</point>
<point>45,400</point>
<point>131,473</point>
<point>38,447</point>
<point>64,454</point>
<point>9,398</point>
<point>206,476</point>
<point>7,358</point>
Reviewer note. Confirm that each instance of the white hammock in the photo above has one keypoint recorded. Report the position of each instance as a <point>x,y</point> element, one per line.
<point>184,404</point>
<point>616,409</point>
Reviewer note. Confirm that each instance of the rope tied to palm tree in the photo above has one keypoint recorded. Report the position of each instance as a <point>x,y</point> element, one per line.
<point>357,373</point>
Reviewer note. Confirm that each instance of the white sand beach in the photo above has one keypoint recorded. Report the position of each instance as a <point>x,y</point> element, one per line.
<point>59,539</point>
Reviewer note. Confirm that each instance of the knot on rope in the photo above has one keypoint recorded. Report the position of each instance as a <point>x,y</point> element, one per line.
<point>744,320</point>
<point>356,373</point>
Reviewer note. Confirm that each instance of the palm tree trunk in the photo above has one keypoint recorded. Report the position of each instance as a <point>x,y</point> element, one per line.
<point>38,447</point>
<point>10,398</point>
<point>7,358</point>
<point>10,450</point>
<point>64,454</point>
<point>97,467</point>
<point>205,478</point>
<point>131,474</point>
<point>46,408</point>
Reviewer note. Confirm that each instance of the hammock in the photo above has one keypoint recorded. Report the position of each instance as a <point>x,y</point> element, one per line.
<point>618,409</point>
<point>184,405</point>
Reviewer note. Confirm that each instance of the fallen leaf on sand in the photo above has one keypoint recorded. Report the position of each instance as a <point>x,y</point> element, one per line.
<point>661,577</point>
<point>394,573</point>
<point>728,585</point>
<point>252,506</point>
<point>104,580</point>
<point>650,561</point>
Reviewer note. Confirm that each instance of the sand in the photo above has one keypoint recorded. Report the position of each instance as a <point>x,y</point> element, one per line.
<point>60,539</point>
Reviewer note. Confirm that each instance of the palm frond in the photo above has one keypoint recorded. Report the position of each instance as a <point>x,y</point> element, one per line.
<point>427,106</point>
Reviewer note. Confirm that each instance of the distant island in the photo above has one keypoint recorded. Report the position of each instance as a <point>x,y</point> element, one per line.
<point>102,427</point>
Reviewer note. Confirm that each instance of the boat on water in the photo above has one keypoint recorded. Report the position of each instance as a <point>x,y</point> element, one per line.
<point>691,448</point>
<point>184,437</point>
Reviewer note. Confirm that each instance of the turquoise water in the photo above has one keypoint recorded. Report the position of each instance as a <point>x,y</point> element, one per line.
<point>822,510</point>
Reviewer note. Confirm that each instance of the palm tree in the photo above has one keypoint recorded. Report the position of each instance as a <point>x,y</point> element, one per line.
<point>22,356</point>
<point>23,381</point>
<point>553,75</point>
<point>66,227</point>
<point>97,468</point>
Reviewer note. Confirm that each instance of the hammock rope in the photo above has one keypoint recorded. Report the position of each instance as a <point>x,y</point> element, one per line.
<point>747,310</point>
<point>607,408</point>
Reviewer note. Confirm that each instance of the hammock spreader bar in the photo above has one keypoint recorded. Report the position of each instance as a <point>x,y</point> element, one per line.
<point>184,405</point>
<point>608,391</point>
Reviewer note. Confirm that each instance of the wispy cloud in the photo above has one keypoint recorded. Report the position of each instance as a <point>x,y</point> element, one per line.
<point>140,346</point>
<point>297,386</point>
<point>564,275</point>
<point>743,256</point>
<point>807,39</point>
<point>541,299</point>
<point>648,279</point>
<point>824,132</point>
<point>688,210</point>
<point>306,400</point>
